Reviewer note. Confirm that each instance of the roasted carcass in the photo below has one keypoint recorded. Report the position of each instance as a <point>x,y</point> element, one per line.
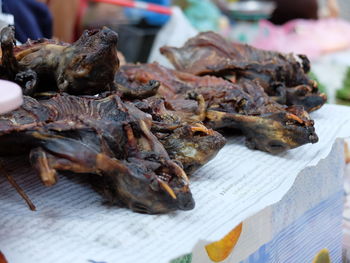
<point>84,67</point>
<point>283,76</point>
<point>105,138</point>
<point>267,125</point>
<point>177,124</point>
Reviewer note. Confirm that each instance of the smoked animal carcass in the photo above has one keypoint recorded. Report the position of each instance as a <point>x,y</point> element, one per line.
<point>267,125</point>
<point>84,67</point>
<point>283,76</point>
<point>104,138</point>
<point>178,126</point>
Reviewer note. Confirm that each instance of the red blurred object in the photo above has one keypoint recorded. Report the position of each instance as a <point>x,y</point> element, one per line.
<point>138,4</point>
<point>125,3</point>
<point>2,258</point>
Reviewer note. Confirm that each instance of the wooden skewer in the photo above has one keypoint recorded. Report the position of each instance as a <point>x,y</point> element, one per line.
<point>17,187</point>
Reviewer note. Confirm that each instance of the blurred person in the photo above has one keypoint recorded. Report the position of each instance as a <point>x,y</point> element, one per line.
<point>328,8</point>
<point>66,17</point>
<point>32,18</point>
<point>287,10</point>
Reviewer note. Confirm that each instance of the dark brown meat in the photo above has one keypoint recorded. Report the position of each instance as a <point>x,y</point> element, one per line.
<point>178,128</point>
<point>177,124</point>
<point>103,137</point>
<point>2,258</point>
<point>85,67</point>
<point>287,10</point>
<point>283,76</point>
<point>267,125</point>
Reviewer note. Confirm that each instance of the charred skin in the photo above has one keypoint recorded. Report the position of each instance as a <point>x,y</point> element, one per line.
<point>273,133</point>
<point>90,63</point>
<point>179,128</point>
<point>9,66</point>
<point>283,76</point>
<point>105,138</point>
<point>85,67</point>
<point>193,145</point>
<point>267,125</point>
<point>134,90</point>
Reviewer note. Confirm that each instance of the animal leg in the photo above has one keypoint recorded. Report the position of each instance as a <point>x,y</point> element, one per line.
<point>8,60</point>
<point>202,107</point>
<point>303,95</point>
<point>65,154</point>
<point>139,92</point>
<point>42,162</point>
<point>28,80</point>
<point>47,165</point>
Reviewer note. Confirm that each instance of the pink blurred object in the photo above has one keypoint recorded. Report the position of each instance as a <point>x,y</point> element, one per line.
<point>310,37</point>
<point>10,96</point>
<point>346,213</point>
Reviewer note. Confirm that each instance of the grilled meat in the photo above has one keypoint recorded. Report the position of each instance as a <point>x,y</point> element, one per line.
<point>177,124</point>
<point>105,138</point>
<point>84,67</point>
<point>267,125</point>
<point>283,76</point>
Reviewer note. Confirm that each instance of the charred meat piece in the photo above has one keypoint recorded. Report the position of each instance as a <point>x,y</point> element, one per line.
<point>105,138</point>
<point>193,145</point>
<point>283,76</point>
<point>172,82</point>
<point>176,123</point>
<point>84,67</point>
<point>2,258</point>
<point>267,125</point>
<point>133,90</point>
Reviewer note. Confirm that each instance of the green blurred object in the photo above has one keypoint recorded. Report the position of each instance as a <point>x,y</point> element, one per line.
<point>183,4</point>
<point>184,259</point>
<point>320,86</point>
<point>343,94</point>
<point>343,102</point>
<point>203,15</point>
<point>322,257</point>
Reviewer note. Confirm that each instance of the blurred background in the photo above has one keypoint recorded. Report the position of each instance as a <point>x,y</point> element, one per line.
<point>318,28</point>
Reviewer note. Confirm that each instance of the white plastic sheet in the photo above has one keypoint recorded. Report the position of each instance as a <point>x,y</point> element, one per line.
<point>174,33</point>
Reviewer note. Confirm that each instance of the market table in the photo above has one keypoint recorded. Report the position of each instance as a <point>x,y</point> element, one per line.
<point>290,205</point>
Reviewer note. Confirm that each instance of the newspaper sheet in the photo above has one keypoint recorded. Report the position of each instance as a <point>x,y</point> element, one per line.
<point>72,224</point>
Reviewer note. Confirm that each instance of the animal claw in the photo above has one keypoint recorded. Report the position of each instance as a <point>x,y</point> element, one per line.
<point>295,117</point>
<point>202,128</point>
<point>167,188</point>
<point>179,172</point>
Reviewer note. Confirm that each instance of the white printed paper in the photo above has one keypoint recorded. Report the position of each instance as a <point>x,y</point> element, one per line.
<point>72,224</point>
